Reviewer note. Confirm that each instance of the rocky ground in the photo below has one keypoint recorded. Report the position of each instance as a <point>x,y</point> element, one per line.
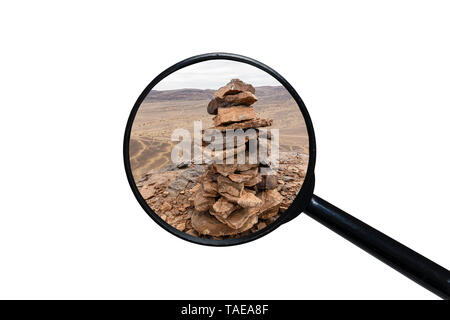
<point>169,192</point>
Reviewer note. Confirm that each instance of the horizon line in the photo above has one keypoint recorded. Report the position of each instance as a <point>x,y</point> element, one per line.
<point>203,89</point>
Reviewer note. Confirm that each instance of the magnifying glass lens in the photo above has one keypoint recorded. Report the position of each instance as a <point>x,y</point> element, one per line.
<point>218,150</point>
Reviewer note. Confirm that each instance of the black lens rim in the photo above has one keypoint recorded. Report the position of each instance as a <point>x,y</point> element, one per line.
<point>304,195</point>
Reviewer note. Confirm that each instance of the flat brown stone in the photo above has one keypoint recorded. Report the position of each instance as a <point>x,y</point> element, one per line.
<point>231,198</point>
<point>234,114</point>
<point>166,206</point>
<point>224,169</point>
<point>206,224</point>
<point>233,163</point>
<point>239,178</point>
<point>195,188</point>
<point>202,203</point>
<point>228,187</point>
<point>246,166</point>
<point>244,176</point>
<point>249,200</point>
<point>254,123</point>
<point>223,208</point>
<point>271,201</point>
<point>253,181</point>
<point>246,200</point>
<point>238,218</point>
<point>224,154</point>
<point>252,172</point>
<point>148,192</point>
<point>233,87</point>
<point>234,140</point>
<point>245,98</point>
<point>209,188</point>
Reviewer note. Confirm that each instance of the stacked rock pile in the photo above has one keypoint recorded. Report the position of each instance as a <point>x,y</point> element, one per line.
<point>240,190</point>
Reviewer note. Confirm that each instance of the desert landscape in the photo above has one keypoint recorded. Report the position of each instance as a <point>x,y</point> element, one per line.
<point>214,200</point>
<point>163,111</point>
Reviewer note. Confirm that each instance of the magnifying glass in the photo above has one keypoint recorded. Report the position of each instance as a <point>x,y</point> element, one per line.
<point>219,150</point>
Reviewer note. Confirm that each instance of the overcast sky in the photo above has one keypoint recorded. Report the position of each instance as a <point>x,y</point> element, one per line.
<point>214,74</point>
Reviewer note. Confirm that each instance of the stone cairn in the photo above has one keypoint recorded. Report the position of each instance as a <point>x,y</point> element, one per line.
<point>230,199</point>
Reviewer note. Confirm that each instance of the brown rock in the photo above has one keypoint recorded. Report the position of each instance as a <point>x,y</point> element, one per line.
<point>195,188</point>
<point>223,208</point>
<point>231,198</point>
<point>254,123</point>
<point>181,226</point>
<point>147,193</point>
<point>231,140</point>
<point>252,172</point>
<point>249,200</point>
<point>239,178</point>
<point>236,165</point>
<point>224,169</point>
<point>206,224</point>
<point>224,154</point>
<point>244,176</point>
<point>271,202</point>
<point>247,165</point>
<point>166,206</point>
<point>202,203</point>
<point>160,180</point>
<point>234,114</point>
<point>209,188</point>
<point>233,87</point>
<point>245,98</point>
<point>246,200</point>
<point>210,194</point>
<point>248,224</point>
<point>227,141</point>
<point>238,218</point>
<point>226,186</point>
<point>253,182</point>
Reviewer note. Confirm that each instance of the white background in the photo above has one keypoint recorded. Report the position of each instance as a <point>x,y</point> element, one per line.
<point>375,77</point>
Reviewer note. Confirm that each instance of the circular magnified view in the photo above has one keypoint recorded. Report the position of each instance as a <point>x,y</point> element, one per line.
<point>219,149</point>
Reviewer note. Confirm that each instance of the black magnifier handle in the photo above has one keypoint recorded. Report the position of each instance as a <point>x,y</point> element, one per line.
<point>425,272</point>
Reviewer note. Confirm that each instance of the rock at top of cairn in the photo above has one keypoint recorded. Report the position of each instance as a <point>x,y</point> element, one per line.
<point>234,93</point>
